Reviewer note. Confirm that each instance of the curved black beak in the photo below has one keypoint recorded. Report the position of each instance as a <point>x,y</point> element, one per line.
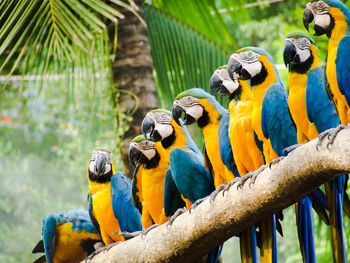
<point>234,67</point>
<point>215,83</point>
<point>177,112</point>
<point>100,164</point>
<point>289,53</point>
<point>307,18</point>
<point>147,126</point>
<point>134,155</point>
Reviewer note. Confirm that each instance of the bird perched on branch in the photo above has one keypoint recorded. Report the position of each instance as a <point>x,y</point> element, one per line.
<point>67,237</point>
<point>332,18</point>
<point>313,112</point>
<point>111,206</point>
<point>201,107</point>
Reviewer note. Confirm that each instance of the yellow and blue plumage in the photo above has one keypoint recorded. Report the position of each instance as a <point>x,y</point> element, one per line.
<point>313,113</point>
<point>68,237</point>
<point>110,199</point>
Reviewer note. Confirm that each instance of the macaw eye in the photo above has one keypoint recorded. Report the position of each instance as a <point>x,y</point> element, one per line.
<point>320,4</point>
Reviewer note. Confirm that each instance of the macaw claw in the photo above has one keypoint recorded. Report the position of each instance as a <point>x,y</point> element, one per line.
<point>229,184</point>
<point>178,212</point>
<point>252,176</point>
<point>195,204</point>
<point>275,161</point>
<point>216,192</point>
<point>289,149</point>
<point>97,251</point>
<point>330,134</point>
<point>128,234</point>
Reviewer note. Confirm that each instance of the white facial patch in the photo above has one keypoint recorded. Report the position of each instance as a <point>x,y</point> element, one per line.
<point>146,147</point>
<point>95,154</point>
<point>195,111</point>
<point>323,20</point>
<point>164,130</point>
<point>231,85</point>
<point>162,123</point>
<point>249,61</point>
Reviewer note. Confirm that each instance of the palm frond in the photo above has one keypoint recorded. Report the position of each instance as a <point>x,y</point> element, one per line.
<point>34,34</point>
<point>182,57</point>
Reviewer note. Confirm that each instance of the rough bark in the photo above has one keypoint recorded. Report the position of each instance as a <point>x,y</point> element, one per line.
<point>132,72</point>
<point>209,224</point>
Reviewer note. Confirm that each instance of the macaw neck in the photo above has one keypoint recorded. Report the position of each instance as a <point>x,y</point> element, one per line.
<point>96,186</point>
<point>261,83</point>
<point>311,63</point>
<point>340,29</point>
<point>101,178</point>
<point>211,115</point>
<point>179,136</point>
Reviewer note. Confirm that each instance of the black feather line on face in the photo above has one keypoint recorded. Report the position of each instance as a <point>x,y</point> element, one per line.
<point>302,67</point>
<point>203,120</point>
<point>102,178</point>
<point>153,163</point>
<point>259,78</point>
<point>169,141</point>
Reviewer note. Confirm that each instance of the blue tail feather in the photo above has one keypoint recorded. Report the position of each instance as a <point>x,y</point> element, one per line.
<point>253,242</point>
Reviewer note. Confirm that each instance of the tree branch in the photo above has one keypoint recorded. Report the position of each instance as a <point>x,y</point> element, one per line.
<point>210,224</point>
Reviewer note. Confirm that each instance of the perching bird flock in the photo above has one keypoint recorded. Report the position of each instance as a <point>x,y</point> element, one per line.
<point>263,124</point>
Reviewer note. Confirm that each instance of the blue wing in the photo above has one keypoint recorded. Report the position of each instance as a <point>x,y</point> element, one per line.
<point>128,216</point>
<point>343,67</point>
<point>49,232</point>
<point>320,108</point>
<point>80,219</point>
<point>192,179</point>
<point>225,145</point>
<point>135,190</point>
<point>172,196</point>
<point>276,122</point>
<point>91,214</point>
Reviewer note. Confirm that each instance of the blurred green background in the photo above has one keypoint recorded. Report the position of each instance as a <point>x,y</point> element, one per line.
<point>54,112</point>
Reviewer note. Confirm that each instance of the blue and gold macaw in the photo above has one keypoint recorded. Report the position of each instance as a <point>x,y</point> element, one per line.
<point>313,112</point>
<point>155,163</point>
<point>67,237</point>
<point>213,119</point>
<point>332,18</point>
<point>201,107</point>
<point>271,120</point>
<point>187,174</point>
<point>111,206</point>
<point>195,184</point>
<point>247,149</point>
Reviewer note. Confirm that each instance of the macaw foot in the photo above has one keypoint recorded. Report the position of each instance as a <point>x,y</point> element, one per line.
<point>216,192</point>
<point>330,134</point>
<point>229,184</point>
<point>275,161</point>
<point>252,176</point>
<point>178,212</point>
<point>136,233</point>
<point>289,149</point>
<point>97,251</point>
<point>195,204</point>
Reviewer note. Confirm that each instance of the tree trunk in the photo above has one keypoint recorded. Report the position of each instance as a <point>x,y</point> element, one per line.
<point>211,223</point>
<point>132,72</point>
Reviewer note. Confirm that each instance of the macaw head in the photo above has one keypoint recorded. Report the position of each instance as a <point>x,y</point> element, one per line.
<point>250,63</point>
<point>299,51</point>
<point>195,104</point>
<point>157,125</point>
<point>101,167</point>
<point>141,150</point>
<point>222,84</point>
<point>324,13</point>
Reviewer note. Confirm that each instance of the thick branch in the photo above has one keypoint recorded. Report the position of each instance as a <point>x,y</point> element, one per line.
<point>210,224</point>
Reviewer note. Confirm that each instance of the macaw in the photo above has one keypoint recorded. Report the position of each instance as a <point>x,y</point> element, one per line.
<point>201,107</point>
<point>155,163</point>
<point>67,237</point>
<point>247,150</point>
<point>187,174</point>
<point>271,119</point>
<point>313,112</point>
<point>159,125</point>
<point>332,18</point>
<point>110,201</point>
